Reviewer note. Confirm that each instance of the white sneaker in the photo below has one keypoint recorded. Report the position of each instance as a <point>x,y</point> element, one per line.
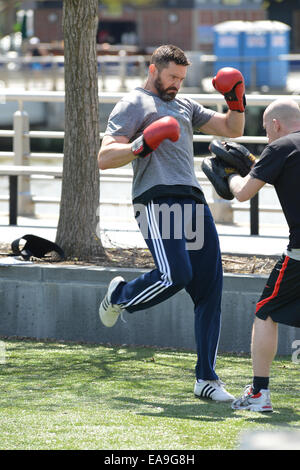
<point>259,402</point>
<point>213,389</point>
<point>108,312</point>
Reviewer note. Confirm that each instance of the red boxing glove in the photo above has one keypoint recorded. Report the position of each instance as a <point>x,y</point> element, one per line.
<point>230,83</point>
<point>164,128</point>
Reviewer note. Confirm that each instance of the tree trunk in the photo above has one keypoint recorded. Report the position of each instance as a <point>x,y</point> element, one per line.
<point>8,17</point>
<point>76,232</point>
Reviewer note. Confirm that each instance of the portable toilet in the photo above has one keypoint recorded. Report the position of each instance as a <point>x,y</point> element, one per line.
<point>256,55</point>
<point>228,44</point>
<point>264,41</point>
<point>254,47</point>
<point>279,43</point>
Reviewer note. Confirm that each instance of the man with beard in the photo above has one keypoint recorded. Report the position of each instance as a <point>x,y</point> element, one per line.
<point>152,128</point>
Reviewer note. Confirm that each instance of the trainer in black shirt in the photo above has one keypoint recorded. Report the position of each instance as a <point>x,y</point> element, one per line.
<point>279,165</point>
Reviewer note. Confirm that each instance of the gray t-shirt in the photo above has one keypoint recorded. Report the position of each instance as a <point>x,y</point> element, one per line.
<point>169,170</point>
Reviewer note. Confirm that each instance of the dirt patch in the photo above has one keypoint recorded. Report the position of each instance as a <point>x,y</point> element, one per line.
<point>141,258</point>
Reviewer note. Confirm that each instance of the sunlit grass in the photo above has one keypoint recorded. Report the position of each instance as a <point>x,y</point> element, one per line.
<point>75,396</point>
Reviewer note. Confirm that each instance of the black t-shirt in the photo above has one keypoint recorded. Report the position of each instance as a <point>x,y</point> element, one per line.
<point>279,165</point>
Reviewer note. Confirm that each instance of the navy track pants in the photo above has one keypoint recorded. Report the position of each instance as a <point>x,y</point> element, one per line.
<point>179,266</point>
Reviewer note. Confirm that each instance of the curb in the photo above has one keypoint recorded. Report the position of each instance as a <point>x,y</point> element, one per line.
<point>61,303</point>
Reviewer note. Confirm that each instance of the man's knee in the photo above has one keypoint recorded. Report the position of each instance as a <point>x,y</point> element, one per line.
<point>183,276</point>
<point>264,325</point>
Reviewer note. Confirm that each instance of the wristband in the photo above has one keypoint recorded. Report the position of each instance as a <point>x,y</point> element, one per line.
<point>139,147</point>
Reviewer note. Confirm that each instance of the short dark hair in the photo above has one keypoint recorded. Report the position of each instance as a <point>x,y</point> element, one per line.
<point>163,55</point>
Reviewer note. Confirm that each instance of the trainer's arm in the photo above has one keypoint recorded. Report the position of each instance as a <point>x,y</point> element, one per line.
<point>244,188</point>
<point>230,124</point>
<point>115,152</point>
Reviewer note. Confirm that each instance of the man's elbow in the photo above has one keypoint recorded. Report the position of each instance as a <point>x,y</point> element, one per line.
<point>101,162</point>
<point>101,165</point>
<point>238,134</point>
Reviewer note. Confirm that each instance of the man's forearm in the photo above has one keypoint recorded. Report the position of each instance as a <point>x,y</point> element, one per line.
<point>115,155</point>
<point>235,122</point>
<point>245,188</point>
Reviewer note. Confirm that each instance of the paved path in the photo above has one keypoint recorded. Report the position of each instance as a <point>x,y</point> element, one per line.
<point>234,239</point>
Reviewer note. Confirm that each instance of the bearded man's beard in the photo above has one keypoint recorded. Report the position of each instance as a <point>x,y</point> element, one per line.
<point>166,94</point>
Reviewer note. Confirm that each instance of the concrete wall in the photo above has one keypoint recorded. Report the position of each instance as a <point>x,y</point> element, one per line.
<point>46,301</point>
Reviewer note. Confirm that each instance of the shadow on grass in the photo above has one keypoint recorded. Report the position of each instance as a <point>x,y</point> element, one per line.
<point>27,357</point>
<point>204,410</point>
<point>121,378</point>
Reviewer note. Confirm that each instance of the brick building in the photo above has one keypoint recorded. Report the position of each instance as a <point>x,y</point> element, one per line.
<point>188,23</point>
<point>191,28</point>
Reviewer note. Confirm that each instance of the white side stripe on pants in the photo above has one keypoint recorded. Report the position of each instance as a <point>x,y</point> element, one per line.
<point>158,244</point>
<point>162,262</point>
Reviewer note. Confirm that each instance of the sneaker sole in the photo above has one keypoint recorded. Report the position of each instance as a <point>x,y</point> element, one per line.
<point>255,408</point>
<point>110,322</point>
<point>110,319</point>
<point>107,319</point>
<point>228,400</point>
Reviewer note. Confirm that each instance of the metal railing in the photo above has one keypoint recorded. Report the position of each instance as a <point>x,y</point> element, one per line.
<point>123,65</point>
<point>26,68</point>
<point>21,135</point>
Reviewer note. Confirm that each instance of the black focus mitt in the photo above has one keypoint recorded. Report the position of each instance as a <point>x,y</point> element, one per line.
<point>217,173</point>
<point>234,155</point>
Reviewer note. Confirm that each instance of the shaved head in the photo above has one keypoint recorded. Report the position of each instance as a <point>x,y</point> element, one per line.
<point>286,110</point>
<point>281,117</point>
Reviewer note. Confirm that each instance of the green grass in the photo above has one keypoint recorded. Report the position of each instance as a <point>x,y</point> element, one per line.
<point>74,396</point>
